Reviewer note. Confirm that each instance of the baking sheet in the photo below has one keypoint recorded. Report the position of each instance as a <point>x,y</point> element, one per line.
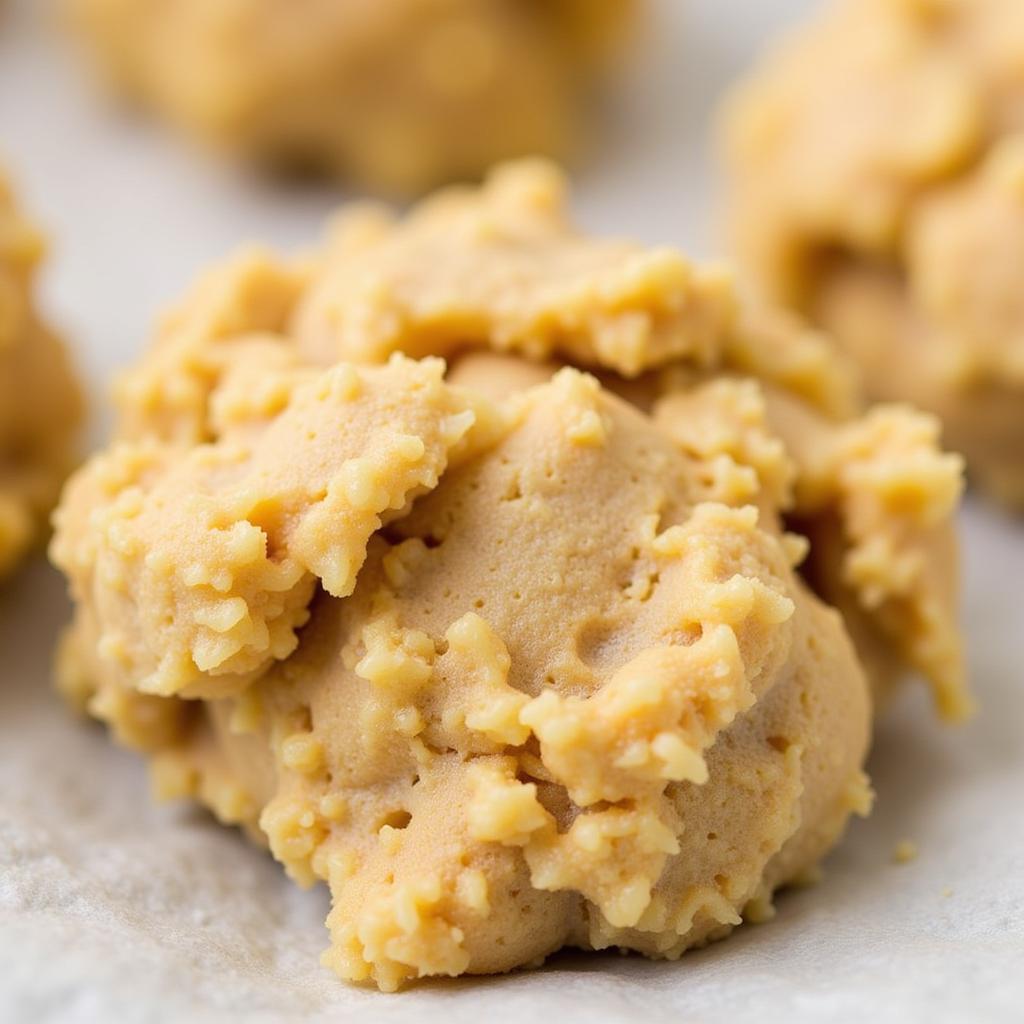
<point>114,909</point>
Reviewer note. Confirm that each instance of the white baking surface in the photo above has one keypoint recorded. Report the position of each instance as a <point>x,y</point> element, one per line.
<point>113,909</point>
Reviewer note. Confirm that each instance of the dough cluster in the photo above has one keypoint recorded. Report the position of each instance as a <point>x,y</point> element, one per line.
<point>521,585</point>
<point>39,401</point>
<point>878,187</point>
<point>398,95</point>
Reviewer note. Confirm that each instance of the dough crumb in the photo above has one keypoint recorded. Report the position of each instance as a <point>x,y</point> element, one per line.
<point>905,851</point>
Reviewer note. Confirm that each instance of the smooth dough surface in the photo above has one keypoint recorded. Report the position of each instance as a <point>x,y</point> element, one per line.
<point>399,95</point>
<point>39,400</point>
<point>877,163</point>
<point>513,654</point>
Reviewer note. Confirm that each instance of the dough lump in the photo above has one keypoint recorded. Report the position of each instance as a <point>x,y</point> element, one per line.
<point>877,163</point>
<point>399,95</point>
<point>513,653</point>
<point>39,400</point>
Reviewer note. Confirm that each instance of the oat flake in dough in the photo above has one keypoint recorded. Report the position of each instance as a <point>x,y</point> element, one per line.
<point>571,688</point>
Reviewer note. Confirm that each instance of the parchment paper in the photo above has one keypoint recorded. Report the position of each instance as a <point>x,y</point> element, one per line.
<point>113,909</point>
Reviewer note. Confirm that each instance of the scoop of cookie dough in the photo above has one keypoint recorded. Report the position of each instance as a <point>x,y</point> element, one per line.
<point>399,95</point>
<point>514,655</point>
<point>39,400</point>
<point>569,702</point>
<point>877,160</point>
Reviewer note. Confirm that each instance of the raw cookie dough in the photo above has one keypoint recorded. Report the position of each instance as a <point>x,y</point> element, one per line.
<point>513,655</point>
<point>877,160</point>
<point>399,95</point>
<point>39,401</point>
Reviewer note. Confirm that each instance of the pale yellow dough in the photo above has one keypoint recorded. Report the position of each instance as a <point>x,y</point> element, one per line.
<point>877,163</point>
<point>39,400</point>
<point>399,95</point>
<point>513,655</point>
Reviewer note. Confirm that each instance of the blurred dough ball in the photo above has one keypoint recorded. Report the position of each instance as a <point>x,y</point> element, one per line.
<point>398,95</point>
<point>39,401</point>
<point>877,164</point>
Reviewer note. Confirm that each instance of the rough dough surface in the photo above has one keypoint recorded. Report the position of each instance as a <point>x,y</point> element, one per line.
<point>399,95</point>
<point>513,655</point>
<point>877,160</point>
<point>39,400</point>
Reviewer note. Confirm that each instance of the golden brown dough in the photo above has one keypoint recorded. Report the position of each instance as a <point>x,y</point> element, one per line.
<point>877,163</point>
<point>204,561</point>
<point>398,94</point>
<point>39,400</point>
<point>513,661</point>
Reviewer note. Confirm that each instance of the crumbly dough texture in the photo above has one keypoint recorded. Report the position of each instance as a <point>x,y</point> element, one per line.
<point>877,160</point>
<point>39,400</point>
<point>514,655</point>
<point>399,95</point>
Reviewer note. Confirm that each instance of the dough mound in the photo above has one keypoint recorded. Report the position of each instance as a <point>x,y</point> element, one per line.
<point>515,654</point>
<point>39,400</point>
<point>398,95</point>
<point>877,160</point>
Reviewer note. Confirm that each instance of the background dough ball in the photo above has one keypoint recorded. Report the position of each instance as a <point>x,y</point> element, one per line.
<point>39,401</point>
<point>397,94</point>
<point>877,165</point>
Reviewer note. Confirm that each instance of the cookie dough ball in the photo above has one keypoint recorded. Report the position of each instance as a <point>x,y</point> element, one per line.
<point>398,95</point>
<point>514,654</point>
<point>39,401</point>
<point>878,186</point>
